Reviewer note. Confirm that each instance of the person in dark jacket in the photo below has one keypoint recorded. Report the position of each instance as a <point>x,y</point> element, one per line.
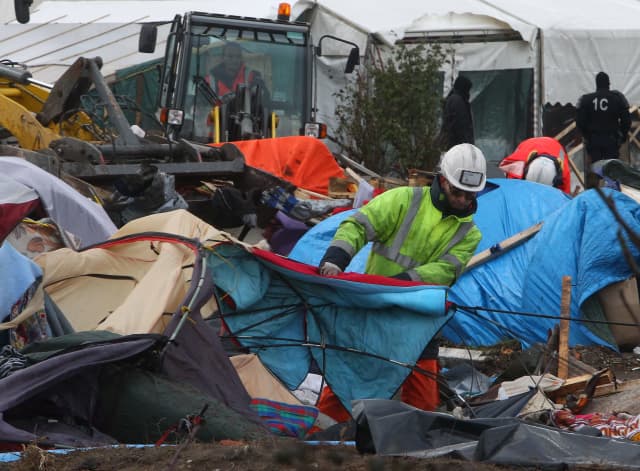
<point>457,120</point>
<point>604,121</point>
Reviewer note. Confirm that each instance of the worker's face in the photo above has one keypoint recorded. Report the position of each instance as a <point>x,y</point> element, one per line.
<point>458,199</point>
<point>232,59</point>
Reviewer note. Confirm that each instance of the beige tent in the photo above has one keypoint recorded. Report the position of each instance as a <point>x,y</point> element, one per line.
<point>131,284</point>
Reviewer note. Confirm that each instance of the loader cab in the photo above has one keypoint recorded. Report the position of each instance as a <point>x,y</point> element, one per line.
<point>205,102</point>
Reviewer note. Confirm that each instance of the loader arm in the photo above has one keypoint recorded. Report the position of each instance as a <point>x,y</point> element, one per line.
<point>22,123</point>
<point>21,99</point>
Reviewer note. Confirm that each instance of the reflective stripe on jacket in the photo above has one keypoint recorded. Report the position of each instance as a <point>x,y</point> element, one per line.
<point>410,235</point>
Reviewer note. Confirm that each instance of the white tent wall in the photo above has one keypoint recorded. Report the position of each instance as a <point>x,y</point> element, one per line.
<point>571,64</point>
<point>581,38</point>
<point>412,23</point>
<point>61,31</point>
<point>565,43</point>
<point>329,74</point>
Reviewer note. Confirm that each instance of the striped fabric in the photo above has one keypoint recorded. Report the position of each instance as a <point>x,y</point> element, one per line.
<point>285,419</point>
<point>615,425</point>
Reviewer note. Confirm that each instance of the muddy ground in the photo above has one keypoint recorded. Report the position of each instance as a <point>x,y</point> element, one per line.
<point>258,456</point>
<point>288,454</point>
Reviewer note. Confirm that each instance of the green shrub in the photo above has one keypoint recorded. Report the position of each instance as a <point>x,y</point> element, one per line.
<point>388,116</point>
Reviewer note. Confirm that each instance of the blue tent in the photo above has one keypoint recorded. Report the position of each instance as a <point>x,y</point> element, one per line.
<point>363,331</point>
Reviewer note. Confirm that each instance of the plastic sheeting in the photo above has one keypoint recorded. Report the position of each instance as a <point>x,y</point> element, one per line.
<point>394,428</point>
<point>578,239</point>
<point>304,161</point>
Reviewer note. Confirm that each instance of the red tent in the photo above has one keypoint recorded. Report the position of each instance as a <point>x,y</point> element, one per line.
<point>513,165</point>
<point>16,202</point>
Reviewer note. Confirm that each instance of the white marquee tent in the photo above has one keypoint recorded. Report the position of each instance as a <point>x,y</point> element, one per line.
<point>553,48</point>
<point>61,31</point>
<point>520,54</point>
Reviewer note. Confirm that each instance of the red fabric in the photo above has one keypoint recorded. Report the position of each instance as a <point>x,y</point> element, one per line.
<point>12,213</point>
<point>330,405</point>
<point>341,210</point>
<point>514,164</point>
<point>223,89</point>
<point>418,390</point>
<point>304,161</point>
<point>305,269</point>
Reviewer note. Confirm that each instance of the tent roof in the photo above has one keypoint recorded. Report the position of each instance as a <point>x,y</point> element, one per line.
<point>61,31</point>
<point>391,22</point>
<point>521,15</point>
<point>572,15</point>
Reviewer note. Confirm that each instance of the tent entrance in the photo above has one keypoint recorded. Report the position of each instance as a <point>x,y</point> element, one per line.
<point>501,101</point>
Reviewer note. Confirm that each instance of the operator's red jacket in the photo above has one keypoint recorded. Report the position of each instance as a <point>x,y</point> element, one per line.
<point>513,165</point>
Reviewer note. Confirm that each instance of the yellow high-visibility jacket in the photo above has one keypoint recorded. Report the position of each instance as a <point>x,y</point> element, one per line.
<point>410,235</point>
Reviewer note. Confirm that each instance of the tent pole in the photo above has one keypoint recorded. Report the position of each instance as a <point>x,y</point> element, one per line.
<point>538,86</point>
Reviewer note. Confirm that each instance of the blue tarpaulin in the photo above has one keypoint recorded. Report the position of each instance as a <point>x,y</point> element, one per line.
<point>578,239</point>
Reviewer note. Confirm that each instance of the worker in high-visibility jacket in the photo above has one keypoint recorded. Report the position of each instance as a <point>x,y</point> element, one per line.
<point>231,71</point>
<point>419,233</point>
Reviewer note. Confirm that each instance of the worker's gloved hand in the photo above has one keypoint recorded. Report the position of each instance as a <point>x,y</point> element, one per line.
<point>330,269</point>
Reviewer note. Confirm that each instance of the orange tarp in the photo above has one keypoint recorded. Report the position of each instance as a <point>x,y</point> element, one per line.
<point>304,161</point>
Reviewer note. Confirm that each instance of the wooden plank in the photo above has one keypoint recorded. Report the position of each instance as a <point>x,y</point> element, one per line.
<point>575,169</point>
<point>576,149</point>
<point>305,194</point>
<point>359,167</point>
<point>349,171</point>
<point>342,195</point>
<point>563,334</point>
<point>565,131</point>
<point>616,387</point>
<point>502,247</point>
<point>577,384</point>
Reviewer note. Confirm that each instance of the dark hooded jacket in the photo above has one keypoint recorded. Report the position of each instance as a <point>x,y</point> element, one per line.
<point>457,120</point>
<point>603,113</point>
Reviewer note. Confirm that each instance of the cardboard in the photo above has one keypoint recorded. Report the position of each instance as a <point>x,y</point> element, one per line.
<point>620,304</point>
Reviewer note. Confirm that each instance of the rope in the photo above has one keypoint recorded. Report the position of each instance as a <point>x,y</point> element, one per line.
<point>474,309</point>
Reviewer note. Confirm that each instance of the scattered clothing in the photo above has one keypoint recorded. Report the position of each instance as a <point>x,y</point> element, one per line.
<point>11,360</point>
<point>302,210</point>
<point>616,425</point>
<point>285,419</point>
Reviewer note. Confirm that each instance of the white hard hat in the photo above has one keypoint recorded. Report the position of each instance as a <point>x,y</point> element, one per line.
<point>465,167</point>
<point>542,170</point>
